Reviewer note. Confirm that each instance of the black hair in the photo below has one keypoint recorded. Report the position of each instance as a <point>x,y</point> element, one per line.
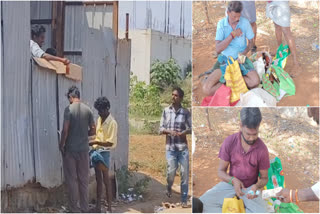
<point>235,6</point>
<point>179,90</point>
<point>74,92</point>
<point>250,117</point>
<point>197,205</point>
<point>102,103</point>
<point>37,30</point>
<point>51,51</point>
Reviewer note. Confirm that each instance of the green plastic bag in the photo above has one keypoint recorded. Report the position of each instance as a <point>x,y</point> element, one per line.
<point>276,179</point>
<point>275,174</point>
<point>281,57</point>
<point>287,208</point>
<point>286,82</point>
<point>272,88</point>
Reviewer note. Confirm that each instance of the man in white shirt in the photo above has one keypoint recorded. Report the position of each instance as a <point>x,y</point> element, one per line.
<point>37,40</point>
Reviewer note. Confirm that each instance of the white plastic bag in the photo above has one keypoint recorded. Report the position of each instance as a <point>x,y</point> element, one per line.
<point>259,66</point>
<point>257,97</point>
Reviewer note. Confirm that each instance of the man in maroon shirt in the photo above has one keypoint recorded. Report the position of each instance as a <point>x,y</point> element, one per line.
<point>247,156</point>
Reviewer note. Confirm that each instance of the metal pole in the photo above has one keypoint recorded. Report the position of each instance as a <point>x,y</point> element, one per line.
<point>127,26</point>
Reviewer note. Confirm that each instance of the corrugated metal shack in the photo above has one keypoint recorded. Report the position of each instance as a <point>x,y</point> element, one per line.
<point>33,98</point>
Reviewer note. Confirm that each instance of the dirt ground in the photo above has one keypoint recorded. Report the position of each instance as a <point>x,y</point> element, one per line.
<point>304,26</point>
<point>294,139</point>
<point>148,152</point>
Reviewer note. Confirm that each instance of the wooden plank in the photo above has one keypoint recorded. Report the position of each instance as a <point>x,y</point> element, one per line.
<point>59,40</point>
<point>41,21</point>
<point>77,53</point>
<point>115,19</point>
<point>54,24</point>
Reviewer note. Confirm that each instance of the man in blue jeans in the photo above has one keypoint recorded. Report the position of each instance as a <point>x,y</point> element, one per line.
<point>176,124</point>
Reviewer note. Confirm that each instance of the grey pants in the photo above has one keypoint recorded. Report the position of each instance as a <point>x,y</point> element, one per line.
<point>76,174</point>
<point>213,199</point>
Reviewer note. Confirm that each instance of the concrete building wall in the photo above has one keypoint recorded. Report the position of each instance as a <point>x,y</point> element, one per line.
<point>149,45</point>
<point>164,47</point>
<point>140,53</point>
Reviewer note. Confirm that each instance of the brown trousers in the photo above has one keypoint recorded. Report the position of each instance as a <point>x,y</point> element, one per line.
<point>76,174</point>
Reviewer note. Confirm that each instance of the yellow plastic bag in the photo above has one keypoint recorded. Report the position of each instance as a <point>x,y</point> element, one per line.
<point>234,80</point>
<point>233,205</point>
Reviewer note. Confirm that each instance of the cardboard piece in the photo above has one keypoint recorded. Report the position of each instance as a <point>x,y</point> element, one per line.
<point>60,67</point>
<point>74,71</point>
<point>44,63</point>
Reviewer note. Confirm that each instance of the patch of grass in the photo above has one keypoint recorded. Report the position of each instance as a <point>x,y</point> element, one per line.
<point>149,127</point>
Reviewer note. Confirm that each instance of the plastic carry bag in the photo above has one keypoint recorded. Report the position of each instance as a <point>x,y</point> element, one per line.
<point>233,205</point>
<point>220,98</point>
<point>272,88</point>
<point>280,58</point>
<point>259,67</point>
<point>275,174</point>
<point>234,80</point>
<point>257,97</point>
<point>276,179</point>
<point>286,82</point>
<point>287,208</point>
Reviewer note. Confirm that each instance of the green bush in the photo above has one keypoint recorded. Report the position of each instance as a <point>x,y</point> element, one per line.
<point>164,74</point>
<point>144,99</point>
<point>188,70</point>
<point>127,179</point>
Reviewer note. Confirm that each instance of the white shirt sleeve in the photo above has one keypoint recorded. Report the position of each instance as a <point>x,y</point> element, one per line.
<point>35,49</point>
<point>315,189</point>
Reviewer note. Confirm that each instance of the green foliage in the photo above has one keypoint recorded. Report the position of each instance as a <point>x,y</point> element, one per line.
<point>164,74</point>
<point>126,179</point>
<point>188,70</point>
<point>148,101</point>
<point>141,185</point>
<point>123,176</point>
<point>144,99</point>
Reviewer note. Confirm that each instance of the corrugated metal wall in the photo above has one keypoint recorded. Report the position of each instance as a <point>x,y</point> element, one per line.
<point>17,145</point>
<point>2,97</point>
<point>120,156</point>
<point>74,22</point>
<point>35,105</point>
<point>45,136</point>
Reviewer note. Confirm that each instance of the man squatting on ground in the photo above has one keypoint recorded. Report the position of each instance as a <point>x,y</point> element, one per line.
<point>247,156</point>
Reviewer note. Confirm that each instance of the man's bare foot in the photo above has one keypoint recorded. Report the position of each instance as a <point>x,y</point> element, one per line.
<point>296,70</point>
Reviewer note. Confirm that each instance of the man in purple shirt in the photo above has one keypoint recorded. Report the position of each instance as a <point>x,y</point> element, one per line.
<point>247,156</point>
